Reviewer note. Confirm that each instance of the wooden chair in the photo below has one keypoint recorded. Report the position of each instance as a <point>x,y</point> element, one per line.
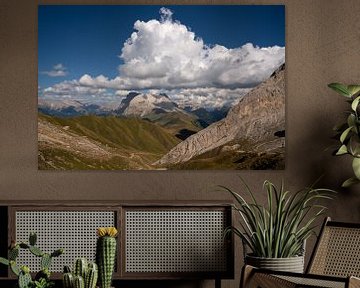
<point>335,262</point>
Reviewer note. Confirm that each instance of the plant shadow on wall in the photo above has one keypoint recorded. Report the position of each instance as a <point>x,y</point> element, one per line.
<point>276,232</point>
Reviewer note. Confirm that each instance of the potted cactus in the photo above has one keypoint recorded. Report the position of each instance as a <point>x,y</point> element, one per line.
<point>42,278</point>
<point>106,254</point>
<point>84,275</point>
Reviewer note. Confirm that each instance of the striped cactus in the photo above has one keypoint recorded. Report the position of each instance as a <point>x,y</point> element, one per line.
<point>81,265</point>
<point>79,282</point>
<point>84,275</point>
<point>106,254</point>
<point>68,280</point>
<point>91,276</point>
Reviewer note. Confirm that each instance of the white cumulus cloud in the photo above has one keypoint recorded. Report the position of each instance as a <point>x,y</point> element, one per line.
<point>166,55</point>
<point>58,70</point>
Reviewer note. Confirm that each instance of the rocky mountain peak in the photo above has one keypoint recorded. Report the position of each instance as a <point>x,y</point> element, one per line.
<point>251,124</point>
<point>140,105</point>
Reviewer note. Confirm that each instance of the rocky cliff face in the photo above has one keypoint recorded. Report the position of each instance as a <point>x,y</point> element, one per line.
<point>252,125</point>
<point>140,105</point>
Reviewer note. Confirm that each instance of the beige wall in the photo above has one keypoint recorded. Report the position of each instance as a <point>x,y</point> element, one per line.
<point>322,46</point>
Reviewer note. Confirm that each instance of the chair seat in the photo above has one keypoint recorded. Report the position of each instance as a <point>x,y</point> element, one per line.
<point>314,282</point>
<point>263,278</point>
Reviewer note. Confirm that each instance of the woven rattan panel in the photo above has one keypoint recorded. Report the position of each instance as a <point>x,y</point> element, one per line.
<point>338,253</point>
<point>311,282</point>
<point>175,241</point>
<point>75,231</point>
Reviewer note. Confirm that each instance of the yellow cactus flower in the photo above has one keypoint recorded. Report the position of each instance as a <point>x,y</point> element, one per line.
<point>106,231</point>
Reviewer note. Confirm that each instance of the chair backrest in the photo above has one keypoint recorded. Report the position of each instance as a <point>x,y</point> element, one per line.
<point>337,251</point>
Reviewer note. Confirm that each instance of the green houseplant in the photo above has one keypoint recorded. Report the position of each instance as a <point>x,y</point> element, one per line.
<point>349,132</point>
<point>275,233</point>
<point>42,278</point>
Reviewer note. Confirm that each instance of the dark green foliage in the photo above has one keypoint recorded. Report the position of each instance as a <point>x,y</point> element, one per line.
<point>45,261</point>
<point>24,246</point>
<point>44,273</point>
<point>24,280</point>
<point>57,252</point>
<point>13,253</point>
<point>36,251</point>
<point>42,278</point>
<point>348,133</point>
<point>42,283</point>
<point>32,239</point>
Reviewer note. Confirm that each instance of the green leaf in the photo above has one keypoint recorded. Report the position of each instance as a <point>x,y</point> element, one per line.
<point>340,88</point>
<point>356,167</point>
<point>355,103</point>
<point>353,89</point>
<point>349,182</point>
<point>4,261</point>
<point>345,134</point>
<point>342,150</point>
<point>351,120</point>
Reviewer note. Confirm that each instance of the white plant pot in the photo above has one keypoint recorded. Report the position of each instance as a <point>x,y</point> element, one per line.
<point>291,264</point>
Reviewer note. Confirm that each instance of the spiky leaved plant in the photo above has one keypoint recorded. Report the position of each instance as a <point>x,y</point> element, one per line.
<point>279,229</point>
<point>106,254</point>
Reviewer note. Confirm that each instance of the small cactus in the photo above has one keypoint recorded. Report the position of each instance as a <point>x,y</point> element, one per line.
<point>79,282</point>
<point>80,268</point>
<point>89,272</point>
<point>68,280</point>
<point>91,276</point>
<point>106,254</point>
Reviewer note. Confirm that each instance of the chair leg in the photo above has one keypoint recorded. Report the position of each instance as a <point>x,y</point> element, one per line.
<point>246,274</point>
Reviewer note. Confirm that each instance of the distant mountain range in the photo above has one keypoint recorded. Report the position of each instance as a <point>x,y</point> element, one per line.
<point>158,108</point>
<point>149,131</point>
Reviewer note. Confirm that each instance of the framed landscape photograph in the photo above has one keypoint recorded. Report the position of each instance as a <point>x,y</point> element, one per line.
<point>146,87</point>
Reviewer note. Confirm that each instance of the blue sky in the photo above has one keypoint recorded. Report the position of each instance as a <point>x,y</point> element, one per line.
<point>77,40</point>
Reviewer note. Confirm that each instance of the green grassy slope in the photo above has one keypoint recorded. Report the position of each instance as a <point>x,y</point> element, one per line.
<point>132,143</point>
<point>127,133</point>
